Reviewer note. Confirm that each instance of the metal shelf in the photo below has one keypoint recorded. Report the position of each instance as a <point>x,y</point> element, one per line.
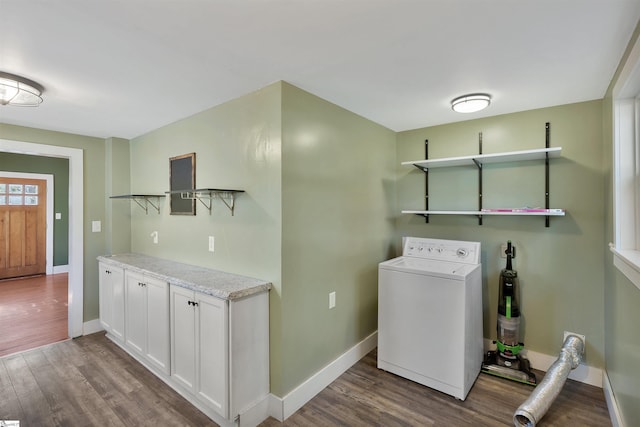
<point>504,212</point>
<point>479,160</point>
<point>483,159</point>
<point>206,196</point>
<point>145,197</point>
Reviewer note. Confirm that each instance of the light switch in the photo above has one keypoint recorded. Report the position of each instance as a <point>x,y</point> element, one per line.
<point>58,215</point>
<point>96,226</point>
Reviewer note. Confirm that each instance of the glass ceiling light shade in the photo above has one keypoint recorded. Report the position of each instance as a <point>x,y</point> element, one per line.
<point>471,103</point>
<point>19,91</point>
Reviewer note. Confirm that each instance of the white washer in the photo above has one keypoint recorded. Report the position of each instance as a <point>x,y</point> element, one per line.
<point>430,314</point>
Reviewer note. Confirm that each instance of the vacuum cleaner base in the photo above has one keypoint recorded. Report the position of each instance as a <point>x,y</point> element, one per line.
<point>523,374</point>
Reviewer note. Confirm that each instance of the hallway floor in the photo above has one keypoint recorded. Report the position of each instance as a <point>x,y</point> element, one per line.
<point>33,312</point>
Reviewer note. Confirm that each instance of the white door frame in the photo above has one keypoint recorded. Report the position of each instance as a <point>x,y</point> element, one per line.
<point>76,220</point>
<point>50,192</point>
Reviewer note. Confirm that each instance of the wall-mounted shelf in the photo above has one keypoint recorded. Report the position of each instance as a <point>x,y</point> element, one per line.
<point>479,160</point>
<point>483,159</point>
<point>206,196</point>
<point>143,200</point>
<point>514,212</point>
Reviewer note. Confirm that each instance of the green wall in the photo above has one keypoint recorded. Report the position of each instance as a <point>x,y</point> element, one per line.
<point>314,217</point>
<point>560,267</point>
<point>622,298</point>
<point>237,146</point>
<point>94,198</point>
<point>337,215</point>
<point>59,168</point>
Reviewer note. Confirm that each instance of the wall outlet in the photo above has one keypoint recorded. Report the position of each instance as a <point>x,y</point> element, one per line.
<point>584,338</point>
<point>212,244</point>
<point>154,235</point>
<point>332,299</point>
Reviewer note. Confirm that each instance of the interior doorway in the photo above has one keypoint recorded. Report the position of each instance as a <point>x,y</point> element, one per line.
<point>75,291</point>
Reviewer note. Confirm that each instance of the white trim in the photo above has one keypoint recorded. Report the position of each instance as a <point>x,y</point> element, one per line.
<point>282,408</point>
<point>612,403</point>
<point>256,414</point>
<point>76,221</point>
<point>628,262</point>
<point>60,269</point>
<point>50,190</point>
<point>91,327</point>
<point>583,373</point>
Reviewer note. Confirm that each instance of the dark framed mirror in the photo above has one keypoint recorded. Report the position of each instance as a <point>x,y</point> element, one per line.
<point>182,179</point>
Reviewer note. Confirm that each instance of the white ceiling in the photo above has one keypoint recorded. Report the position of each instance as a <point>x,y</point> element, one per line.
<point>125,67</point>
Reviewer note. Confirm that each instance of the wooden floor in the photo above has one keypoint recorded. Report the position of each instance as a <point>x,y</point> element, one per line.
<point>33,312</point>
<point>89,381</point>
<point>366,396</point>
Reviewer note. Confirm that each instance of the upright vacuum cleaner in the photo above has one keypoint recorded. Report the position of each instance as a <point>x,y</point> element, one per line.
<point>506,361</point>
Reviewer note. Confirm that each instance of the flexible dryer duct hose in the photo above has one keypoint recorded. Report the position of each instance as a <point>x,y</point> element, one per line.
<point>540,400</point>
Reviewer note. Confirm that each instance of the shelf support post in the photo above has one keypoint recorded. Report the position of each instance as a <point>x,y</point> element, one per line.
<point>546,171</point>
<point>479,165</point>
<point>426,181</point>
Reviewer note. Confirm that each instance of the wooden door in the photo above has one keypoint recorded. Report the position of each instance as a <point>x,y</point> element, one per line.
<point>23,225</point>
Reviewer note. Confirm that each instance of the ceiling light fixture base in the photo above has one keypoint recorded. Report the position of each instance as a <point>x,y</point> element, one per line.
<point>471,103</point>
<point>19,91</point>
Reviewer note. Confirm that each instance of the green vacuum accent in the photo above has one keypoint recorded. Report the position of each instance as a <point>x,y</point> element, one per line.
<point>506,361</point>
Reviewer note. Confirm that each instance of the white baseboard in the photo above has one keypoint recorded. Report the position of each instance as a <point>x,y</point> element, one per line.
<point>92,326</point>
<point>256,414</point>
<point>282,408</point>
<point>60,269</point>
<point>612,404</point>
<point>583,373</point>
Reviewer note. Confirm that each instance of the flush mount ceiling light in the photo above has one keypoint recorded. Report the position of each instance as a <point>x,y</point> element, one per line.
<point>471,103</point>
<point>19,91</point>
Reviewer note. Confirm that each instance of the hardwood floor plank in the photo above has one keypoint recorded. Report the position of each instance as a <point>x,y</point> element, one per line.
<point>62,402</point>
<point>89,401</point>
<point>36,408</point>
<point>10,408</point>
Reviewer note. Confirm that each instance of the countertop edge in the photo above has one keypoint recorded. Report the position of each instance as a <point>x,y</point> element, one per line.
<point>257,285</point>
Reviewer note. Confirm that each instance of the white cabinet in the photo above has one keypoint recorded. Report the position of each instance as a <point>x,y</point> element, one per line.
<point>213,350</point>
<point>199,337</point>
<point>111,282</point>
<point>147,318</point>
<point>220,349</point>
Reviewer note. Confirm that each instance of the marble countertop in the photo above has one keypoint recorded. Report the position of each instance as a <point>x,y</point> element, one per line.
<point>200,279</point>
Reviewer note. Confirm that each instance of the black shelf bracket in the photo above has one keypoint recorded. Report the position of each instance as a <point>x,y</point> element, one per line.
<point>547,131</point>
<point>426,181</point>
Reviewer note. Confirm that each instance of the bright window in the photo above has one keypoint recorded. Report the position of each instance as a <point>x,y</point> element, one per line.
<point>626,168</point>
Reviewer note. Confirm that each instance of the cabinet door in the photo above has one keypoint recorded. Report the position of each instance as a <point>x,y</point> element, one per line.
<point>157,323</point>
<point>212,351</point>
<point>116,278</point>
<point>106,296</point>
<point>183,337</point>
<point>136,324</point>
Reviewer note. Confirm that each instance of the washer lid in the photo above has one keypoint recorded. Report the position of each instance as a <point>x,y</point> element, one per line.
<point>442,250</point>
<point>453,270</point>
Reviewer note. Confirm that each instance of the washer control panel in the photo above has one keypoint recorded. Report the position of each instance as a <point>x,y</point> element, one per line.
<point>442,250</point>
